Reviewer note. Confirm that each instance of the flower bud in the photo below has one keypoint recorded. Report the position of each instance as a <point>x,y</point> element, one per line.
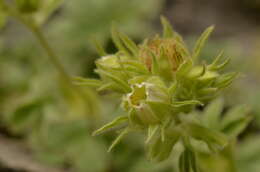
<point>109,61</point>
<point>166,53</point>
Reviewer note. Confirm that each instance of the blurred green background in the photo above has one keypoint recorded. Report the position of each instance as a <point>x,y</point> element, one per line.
<point>41,113</point>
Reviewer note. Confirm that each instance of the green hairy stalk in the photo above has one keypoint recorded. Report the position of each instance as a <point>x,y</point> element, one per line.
<point>161,82</point>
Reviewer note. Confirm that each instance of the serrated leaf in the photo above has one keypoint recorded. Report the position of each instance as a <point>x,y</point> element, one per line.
<point>201,42</point>
<point>118,121</point>
<point>211,115</point>
<point>119,138</point>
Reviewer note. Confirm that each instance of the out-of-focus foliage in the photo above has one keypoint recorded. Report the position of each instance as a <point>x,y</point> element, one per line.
<point>39,107</point>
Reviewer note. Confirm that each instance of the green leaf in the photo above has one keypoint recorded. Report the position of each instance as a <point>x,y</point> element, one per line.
<point>173,88</point>
<point>129,44</point>
<point>135,65</point>
<point>215,64</point>
<point>118,121</point>
<point>87,82</point>
<point>184,68</point>
<point>211,116</point>
<point>167,28</point>
<point>101,51</point>
<point>159,150</point>
<point>187,102</point>
<point>116,79</point>
<point>201,42</point>
<point>117,41</point>
<point>207,91</point>
<point>235,120</point>
<point>119,138</point>
<point>221,66</point>
<point>201,133</point>
<point>151,132</point>
<point>225,80</point>
<point>155,64</point>
<point>236,127</point>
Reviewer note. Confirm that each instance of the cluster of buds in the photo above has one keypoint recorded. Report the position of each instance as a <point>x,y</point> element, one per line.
<point>161,83</point>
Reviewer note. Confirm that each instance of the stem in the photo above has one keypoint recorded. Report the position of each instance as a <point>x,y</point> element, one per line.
<point>36,31</point>
<point>51,54</point>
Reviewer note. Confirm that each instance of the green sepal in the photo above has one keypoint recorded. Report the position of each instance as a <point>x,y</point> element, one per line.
<point>129,44</point>
<point>118,121</point>
<point>118,42</point>
<point>187,102</point>
<point>184,68</point>
<point>167,28</point>
<point>116,80</point>
<point>87,82</point>
<point>100,50</point>
<point>225,80</point>
<point>151,132</point>
<point>119,138</point>
<point>201,42</point>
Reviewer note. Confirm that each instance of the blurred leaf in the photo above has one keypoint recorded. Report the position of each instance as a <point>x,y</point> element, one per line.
<point>235,121</point>
<point>46,9</point>
<point>2,18</point>
<point>211,116</point>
